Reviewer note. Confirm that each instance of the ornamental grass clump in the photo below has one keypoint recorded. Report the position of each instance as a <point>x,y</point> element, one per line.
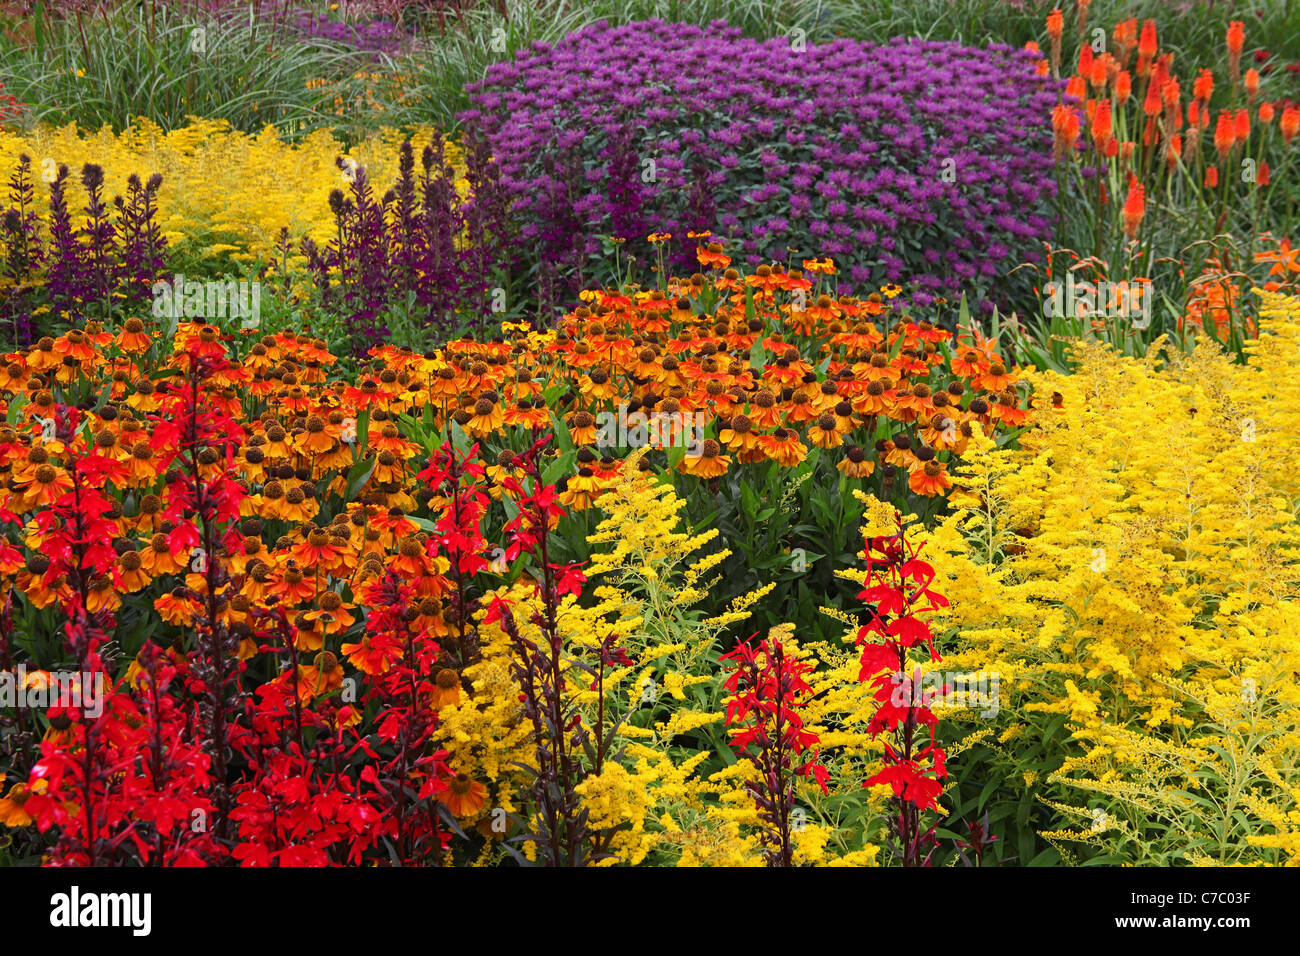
<point>913,158</point>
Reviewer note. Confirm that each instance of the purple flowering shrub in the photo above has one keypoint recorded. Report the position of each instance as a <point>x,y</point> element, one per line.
<point>910,160</point>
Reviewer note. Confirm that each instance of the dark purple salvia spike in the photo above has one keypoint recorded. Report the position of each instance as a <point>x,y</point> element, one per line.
<point>319,263</point>
<point>23,249</point>
<point>143,246</point>
<point>66,272</point>
<point>422,239</point>
<point>363,247</point>
<point>100,238</point>
<point>407,251</point>
<point>441,221</point>
<point>24,252</point>
<point>487,225</point>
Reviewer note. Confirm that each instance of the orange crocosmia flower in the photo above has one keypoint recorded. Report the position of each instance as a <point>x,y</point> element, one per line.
<point>1284,258</point>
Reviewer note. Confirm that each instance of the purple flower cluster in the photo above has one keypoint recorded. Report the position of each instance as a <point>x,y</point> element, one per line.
<point>374,36</point>
<point>910,160</point>
<point>418,243</point>
<point>113,255</point>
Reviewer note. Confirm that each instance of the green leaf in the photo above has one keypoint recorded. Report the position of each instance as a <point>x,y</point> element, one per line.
<point>561,433</point>
<point>562,464</point>
<point>363,430</point>
<point>459,440</point>
<point>358,475</point>
<point>38,22</point>
<point>15,408</point>
<point>748,502</point>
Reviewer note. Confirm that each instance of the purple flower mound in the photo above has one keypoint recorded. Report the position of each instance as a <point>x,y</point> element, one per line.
<point>910,160</point>
<point>375,36</point>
